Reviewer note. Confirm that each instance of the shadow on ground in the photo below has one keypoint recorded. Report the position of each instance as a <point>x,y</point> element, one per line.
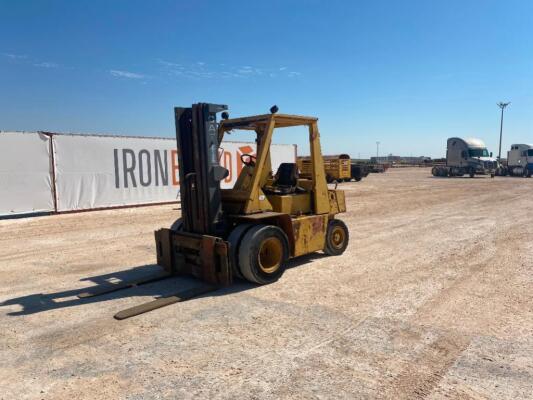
<point>174,285</point>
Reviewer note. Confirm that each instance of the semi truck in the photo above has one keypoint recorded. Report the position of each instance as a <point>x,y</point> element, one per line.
<point>466,157</point>
<point>519,161</point>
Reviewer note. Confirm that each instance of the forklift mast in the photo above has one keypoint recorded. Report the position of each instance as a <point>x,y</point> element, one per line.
<point>199,169</point>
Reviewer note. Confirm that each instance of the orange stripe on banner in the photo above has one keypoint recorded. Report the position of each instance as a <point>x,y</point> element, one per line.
<point>175,167</point>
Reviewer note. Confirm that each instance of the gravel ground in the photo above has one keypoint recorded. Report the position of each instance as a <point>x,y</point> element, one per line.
<point>432,299</point>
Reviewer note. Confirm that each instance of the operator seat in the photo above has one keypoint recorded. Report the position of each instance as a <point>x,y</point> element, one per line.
<point>286,179</point>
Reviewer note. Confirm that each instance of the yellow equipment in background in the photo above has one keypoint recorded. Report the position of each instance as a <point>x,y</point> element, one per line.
<point>337,167</point>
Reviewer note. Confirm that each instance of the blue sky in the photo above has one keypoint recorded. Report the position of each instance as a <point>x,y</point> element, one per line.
<point>406,73</point>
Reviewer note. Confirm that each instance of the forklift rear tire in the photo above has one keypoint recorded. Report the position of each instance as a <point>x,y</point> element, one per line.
<point>263,254</point>
<point>234,240</point>
<point>337,238</point>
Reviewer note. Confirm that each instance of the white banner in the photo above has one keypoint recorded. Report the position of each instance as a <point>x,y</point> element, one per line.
<point>109,171</point>
<point>25,173</point>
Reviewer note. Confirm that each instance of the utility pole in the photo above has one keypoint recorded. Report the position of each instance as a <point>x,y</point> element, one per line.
<point>502,105</point>
<point>377,152</point>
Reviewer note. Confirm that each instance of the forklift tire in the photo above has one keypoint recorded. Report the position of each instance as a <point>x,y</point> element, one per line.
<point>177,225</point>
<point>263,253</point>
<point>234,240</point>
<point>337,238</point>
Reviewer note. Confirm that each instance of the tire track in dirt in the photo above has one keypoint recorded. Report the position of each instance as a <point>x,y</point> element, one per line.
<point>423,374</point>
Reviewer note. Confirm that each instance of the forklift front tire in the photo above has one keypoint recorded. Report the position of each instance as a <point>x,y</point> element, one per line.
<point>337,238</point>
<point>263,254</point>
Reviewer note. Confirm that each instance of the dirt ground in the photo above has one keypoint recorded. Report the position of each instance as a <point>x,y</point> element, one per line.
<point>433,299</point>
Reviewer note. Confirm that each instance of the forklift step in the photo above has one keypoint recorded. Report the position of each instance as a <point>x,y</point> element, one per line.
<point>104,289</point>
<point>165,301</point>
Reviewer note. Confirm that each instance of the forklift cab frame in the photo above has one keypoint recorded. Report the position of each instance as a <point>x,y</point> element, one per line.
<point>255,189</point>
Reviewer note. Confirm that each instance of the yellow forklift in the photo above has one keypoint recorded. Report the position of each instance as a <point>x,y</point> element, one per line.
<point>249,231</point>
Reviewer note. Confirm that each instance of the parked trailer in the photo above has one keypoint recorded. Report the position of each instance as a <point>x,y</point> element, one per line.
<point>519,161</point>
<point>378,168</point>
<point>337,167</point>
<point>466,157</point>
<point>359,171</point>
<point>305,166</point>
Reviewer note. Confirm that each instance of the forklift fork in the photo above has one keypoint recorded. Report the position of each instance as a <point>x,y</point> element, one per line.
<point>165,301</point>
<point>202,256</point>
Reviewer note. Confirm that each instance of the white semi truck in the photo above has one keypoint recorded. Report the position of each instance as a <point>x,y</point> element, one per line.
<point>519,160</point>
<point>466,157</point>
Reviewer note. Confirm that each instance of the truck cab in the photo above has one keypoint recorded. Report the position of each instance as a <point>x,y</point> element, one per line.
<point>520,160</point>
<point>469,156</point>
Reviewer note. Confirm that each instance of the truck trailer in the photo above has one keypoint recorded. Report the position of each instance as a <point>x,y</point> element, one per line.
<point>359,171</point>
<point>519,161</point>
<point>466,157</point>
<point>338,168</point>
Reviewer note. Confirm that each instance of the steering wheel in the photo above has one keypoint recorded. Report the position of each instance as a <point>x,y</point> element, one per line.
<point>250,161</point>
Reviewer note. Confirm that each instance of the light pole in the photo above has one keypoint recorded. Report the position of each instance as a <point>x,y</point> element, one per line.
<point>377,152</point>
<point>502,105</point>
